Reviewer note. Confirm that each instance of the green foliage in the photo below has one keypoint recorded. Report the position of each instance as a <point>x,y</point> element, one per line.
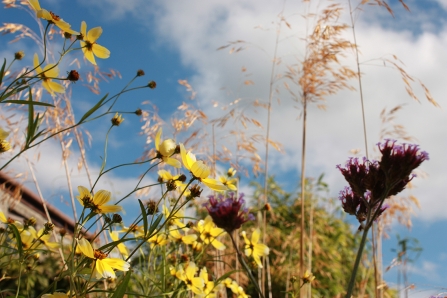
<point>333,242</point>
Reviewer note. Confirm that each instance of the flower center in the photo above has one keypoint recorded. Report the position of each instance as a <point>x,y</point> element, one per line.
<point>54,16</point>
<point>99,255</point>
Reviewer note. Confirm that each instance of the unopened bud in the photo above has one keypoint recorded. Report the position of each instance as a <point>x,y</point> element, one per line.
<point>152,84</point>
<point>19,55</point>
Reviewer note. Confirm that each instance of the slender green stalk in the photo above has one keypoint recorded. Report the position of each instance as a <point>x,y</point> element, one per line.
<point>247,269</point>
<point>357,262</point>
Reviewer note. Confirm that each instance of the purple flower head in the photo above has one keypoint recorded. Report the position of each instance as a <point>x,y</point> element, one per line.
<point>227,213</point>
<point>355,173</point>
<point>397,163</point>
<point>358,206</point>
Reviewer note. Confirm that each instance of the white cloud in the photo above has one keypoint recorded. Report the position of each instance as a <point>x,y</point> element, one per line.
<point>197,30</point>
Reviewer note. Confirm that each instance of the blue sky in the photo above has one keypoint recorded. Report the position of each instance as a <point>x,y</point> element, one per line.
<point>172,40</point>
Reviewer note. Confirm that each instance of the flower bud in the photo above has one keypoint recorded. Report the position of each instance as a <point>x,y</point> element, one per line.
<point>152,84</point>
<point>19,55</point>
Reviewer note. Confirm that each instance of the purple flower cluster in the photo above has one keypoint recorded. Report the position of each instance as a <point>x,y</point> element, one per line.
<point>371,182</point>
<point>227,212</point>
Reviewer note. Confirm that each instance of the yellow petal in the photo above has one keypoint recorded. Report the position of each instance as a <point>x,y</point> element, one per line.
<point>83,30</point>
<point>86,248</point>
<point>35,5</point>
<point>3,218</point>
<point>3,134</point>
<point>47,87</point>
<point>100,51</point>
<point>189,239</point>
<point>51,71</point>
<point>167,147</point>
<point>36,64</point>
<point>200,170</point>
<point>157,139</point>
<point>172,162</point>
<point>214,184</point>
<point>55,87</point>
<point>188,159</point>
<point>110,209</point>
<point>101,197</point>
<point>89,56</point>
<point>93,34</point>
<point>44,14</point>
<point>117,264</point>
<point>103,269</point>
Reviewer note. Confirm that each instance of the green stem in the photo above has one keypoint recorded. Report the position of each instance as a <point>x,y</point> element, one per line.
<point>357,262</point>
<point>247,269</point>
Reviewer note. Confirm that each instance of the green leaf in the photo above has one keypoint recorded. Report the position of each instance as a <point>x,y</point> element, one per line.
<point>2,71</point>
<point>120,291</point>
<point>26,102</point>
<point>12,92</point>
<point>95,107</point>
<point>16,233</point>
<point>31,125</point>
<point>154,225</point>
<point>144,214</point>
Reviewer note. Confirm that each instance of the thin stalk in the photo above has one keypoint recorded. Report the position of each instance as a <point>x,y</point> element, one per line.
<point>267,136</point>
<point>303,170</point>
<point>44,205</point>
<point>244,264</point>
<point>357,262</point>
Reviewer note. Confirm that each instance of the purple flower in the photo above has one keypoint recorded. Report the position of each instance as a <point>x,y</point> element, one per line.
<point>397,163</point>
<point>227,213</point>
<point>373,181</point>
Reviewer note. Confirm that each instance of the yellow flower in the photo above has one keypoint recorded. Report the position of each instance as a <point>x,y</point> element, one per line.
<point>117,119</point>
<point>45,239</point>
<point>55,295</point>
<point>195,284</point>
<point>255,249</point>
<point>138,231</point>
<point>3,133</point>
<point>45,74</point>
<point>174,234</point>
<point>308,277</point>
<point>158,239</point>
<point>166,149</point>
<point>103,266</point>
<point>209,291</point>
<point>235,288</point>
<point>121,247</point>
<point>199,170</point>
<point>231,172</point>
<point>51,17</point>
<point>175,219</point>
<point>167,176</point>
<point>97,202</point>
<point>209,233</point>
<point>3,218</point>
<point>230,183</point>
<point>4,145</point>
<point>89,46</point>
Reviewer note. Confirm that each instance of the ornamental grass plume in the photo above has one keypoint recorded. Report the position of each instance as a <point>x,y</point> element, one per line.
<point>227,212</point>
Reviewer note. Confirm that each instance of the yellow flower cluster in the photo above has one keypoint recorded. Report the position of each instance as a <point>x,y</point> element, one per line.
<point>88,41</point>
